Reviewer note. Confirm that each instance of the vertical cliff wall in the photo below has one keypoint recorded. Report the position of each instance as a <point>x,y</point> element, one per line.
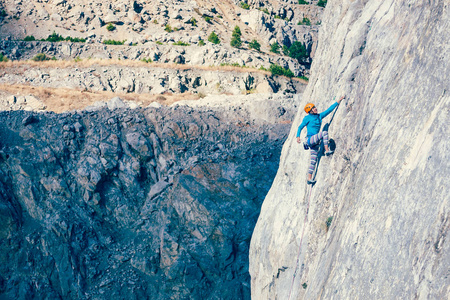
<point>385,192</point>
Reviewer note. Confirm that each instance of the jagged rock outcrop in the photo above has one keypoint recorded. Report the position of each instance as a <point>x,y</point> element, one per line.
<point>155,203</point>
<point>385,191</point>
<point>146,79</point>
<point>192,55</point>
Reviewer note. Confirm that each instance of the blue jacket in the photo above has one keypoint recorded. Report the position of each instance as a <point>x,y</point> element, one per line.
<point>313,122</point>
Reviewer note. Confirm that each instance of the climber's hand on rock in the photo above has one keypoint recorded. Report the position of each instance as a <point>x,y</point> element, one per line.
<point>339,101</point>
<point>298,140</point>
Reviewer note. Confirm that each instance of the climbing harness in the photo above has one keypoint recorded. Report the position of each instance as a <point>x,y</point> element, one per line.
<point>306,146</point>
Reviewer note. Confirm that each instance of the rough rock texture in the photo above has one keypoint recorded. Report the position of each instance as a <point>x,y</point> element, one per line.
<point>148,20</point>
<point>386,187</point>
<point>149,80</point>
<point>155,203</point>
<point>208,55</point>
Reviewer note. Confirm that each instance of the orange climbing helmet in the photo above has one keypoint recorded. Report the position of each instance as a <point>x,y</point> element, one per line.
<point>308,107</point>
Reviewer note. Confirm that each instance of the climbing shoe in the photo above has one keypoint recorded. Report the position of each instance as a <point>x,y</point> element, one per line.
<point>310,181</point>
<point>328,153</point>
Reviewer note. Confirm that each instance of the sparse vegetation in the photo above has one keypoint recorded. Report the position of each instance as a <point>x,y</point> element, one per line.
<point>147,60</point>
<point>263,69</point>
<point>110,27</point>
<point>42,57</point>
<point>54,37</point>
<point>236,37</point>
<point>322,3</point>
<point>297,50</point>
<point>305,21</point>
<point>77,59</point>
<point>155,21</point>
<point>302,2</point>
<point>213,38</point>
<point>3,58</point>
<point>264,10</point>
<point>208,19</point>
<point>201,43</point>
<point>3,13</point>
<point>192,21</point>
<point>245,5</point>
<point>275,48</point>
<point>158,43</point>
<point>304,78</point>
<point>113,42</point>
<point>255,45</point>
<point>180,43</point>
<point>168,28</point>
<point>29,38</point>
<point>279,70</point>
<point>232,65</point>
<point>328,222</point>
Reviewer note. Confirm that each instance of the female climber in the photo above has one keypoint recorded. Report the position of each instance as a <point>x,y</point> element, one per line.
<point>313,122</point>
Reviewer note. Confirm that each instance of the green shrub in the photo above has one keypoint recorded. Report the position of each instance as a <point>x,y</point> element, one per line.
<point>3,58</point>
<point>42,57</point>
<point>75,40</point>
<point>302,2</point>
<point>147,60</point>
<point>110,27</point>
<point>304,78</point>
<point>54,37</point>
<point>263,69</point>
<point>255,45</point>
<point>208,19</point>
<point>201,43</point>
<point>279,70</point>
<point>29,38</point>
<point>297,50</point>
<point>180,43</point>
<point>213,38</point>
<point>328,222</point>
<point>305,21</point>
<point>192,21</point>
<point>236,37</point>
<point>245,5</point>
<point>275,48</point>
<point>322,3</point>
<point>168,28</point>
<point>77,59</point>
<point>264,10</point>
<point>158,42</point>
<point>113,42</point>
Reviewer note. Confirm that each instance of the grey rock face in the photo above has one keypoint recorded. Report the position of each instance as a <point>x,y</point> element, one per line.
<point>386,187</point>
<point>155,203</point>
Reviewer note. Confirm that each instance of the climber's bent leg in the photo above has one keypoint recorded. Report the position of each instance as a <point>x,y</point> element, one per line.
<point>315,139</point>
